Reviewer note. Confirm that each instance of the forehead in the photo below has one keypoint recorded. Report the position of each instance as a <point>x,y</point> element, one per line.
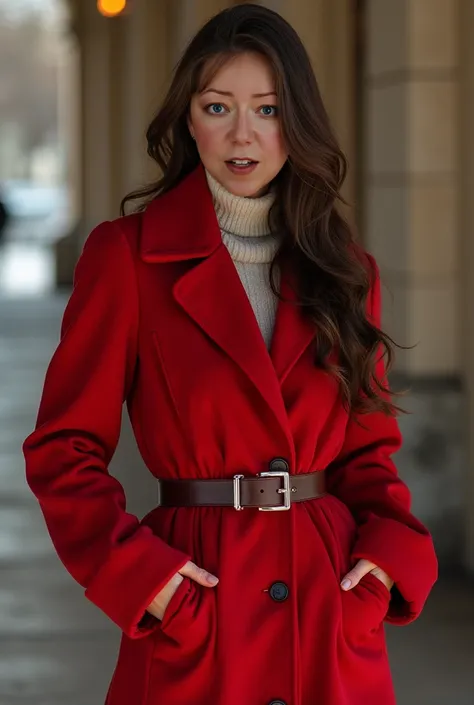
<point>250,72</point>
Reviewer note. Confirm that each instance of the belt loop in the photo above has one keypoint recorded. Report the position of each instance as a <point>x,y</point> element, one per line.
<point>237,506</point>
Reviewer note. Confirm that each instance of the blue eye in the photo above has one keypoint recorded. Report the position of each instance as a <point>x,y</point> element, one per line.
<point>213,105</point>
<point>269,108</point>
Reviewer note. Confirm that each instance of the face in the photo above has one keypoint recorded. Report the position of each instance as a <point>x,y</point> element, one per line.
<point>235,117</point>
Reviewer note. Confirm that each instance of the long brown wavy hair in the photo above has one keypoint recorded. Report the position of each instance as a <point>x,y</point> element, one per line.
<point>333,276</point>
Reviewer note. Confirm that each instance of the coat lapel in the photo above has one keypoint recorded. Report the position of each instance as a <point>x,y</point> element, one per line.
<point>212,294</point>
<point>181,225</point>
<point>293,332</point>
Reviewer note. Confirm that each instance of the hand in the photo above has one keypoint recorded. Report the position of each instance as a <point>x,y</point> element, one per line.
<point>189,570</point>
<point>361,568</point>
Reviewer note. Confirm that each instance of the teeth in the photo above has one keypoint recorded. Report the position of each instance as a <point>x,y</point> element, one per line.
<point>241,162</point>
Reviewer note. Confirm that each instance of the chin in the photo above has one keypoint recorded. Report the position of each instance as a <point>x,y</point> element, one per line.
<point>246,190</point>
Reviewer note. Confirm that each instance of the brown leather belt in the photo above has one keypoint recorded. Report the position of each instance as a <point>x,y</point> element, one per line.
<point>274,490</point>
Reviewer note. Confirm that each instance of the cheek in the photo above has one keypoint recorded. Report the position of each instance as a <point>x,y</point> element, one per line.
<point>208,138</point>
<point>274,145</point>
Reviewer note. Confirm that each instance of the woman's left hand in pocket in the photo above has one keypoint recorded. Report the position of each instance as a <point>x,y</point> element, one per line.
<point>361,568</point>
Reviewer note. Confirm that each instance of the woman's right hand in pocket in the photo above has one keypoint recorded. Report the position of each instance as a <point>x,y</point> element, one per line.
<point>189,570</point>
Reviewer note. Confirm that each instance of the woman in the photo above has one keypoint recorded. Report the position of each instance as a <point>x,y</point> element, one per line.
<point>234,314</point>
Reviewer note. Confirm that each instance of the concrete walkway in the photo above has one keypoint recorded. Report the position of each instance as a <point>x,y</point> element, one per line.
<point>58,649</point>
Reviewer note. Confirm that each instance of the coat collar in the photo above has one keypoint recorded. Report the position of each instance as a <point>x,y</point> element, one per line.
<point>181,224</point>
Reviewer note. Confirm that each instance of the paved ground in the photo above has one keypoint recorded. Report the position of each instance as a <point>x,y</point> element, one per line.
<point>56,648</point>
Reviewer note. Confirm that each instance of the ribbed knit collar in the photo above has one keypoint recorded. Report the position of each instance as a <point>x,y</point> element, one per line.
<point>239,215</point>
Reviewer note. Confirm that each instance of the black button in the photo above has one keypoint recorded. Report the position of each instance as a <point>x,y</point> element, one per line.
<point>279,465</point>
<point>279,592</point>
<point>277,702</point>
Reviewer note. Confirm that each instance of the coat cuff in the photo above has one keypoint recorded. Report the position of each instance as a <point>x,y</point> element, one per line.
<point>407,556</point>
<point>131,578</point>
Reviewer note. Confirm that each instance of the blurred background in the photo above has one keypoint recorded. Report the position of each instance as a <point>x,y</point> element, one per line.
<point>79,83</point>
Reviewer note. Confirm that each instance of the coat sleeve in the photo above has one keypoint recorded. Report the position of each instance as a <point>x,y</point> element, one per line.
<point>365,478</point>
<point>121,564</point>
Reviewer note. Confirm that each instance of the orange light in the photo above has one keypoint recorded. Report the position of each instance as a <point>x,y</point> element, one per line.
<point>111,8</point>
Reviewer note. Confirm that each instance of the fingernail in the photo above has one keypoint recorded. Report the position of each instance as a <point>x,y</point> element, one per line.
<point>213,580</point>
<point>346,584</point>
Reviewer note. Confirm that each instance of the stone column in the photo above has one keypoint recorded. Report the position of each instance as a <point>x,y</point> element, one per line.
<point>186,17</point>
<point>412,181</point>
<point>97,73</point>
<point>69,71</point>
<point>466,151</point>
<point>412,164</point>
<point>92,143</point>
<point>143,54</point>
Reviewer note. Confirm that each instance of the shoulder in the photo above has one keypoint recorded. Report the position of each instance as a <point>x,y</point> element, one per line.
<point>114,239</point>
<point>108,252</point>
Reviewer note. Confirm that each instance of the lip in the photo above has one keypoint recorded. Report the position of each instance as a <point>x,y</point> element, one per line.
<point>241,171</point>
<point>242,159</point>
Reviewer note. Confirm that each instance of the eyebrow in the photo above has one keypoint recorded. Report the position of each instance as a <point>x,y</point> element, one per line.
<point>228,93</point>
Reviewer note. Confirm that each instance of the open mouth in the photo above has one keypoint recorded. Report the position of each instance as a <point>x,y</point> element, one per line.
<point>241,162</point>
<point>241,167</point>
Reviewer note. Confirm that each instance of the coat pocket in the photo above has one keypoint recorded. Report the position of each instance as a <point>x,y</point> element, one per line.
<point>365,606</point>
<point>342,530</point>
<point>189,619</point>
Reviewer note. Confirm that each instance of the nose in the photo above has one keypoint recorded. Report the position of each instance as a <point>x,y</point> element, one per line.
<point>241,129</point>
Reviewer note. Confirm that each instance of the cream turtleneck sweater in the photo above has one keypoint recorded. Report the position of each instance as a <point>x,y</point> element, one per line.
<point>246,234</point>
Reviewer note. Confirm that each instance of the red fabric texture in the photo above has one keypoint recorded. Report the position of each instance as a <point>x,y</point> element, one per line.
<point>158,319</point>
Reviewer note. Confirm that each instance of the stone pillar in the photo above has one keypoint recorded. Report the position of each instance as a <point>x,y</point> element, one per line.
<point>412,163</point>
<point>97,74</point>
<point>143,52</point>
<point>92,145</point>
<point>186,17</point>
<point>467,250</point>
<point>69,72</point>
<point>411,92</point>
<point>68,116</point>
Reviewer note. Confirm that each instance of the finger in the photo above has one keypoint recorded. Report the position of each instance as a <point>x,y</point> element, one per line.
<point>383,577</point>
<point>162,599</point>
<point>173,584</point>
<point>199,575</point>
<point>355,575</point>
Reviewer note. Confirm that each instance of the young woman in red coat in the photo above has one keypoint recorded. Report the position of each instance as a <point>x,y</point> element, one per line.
<point>240,323</point>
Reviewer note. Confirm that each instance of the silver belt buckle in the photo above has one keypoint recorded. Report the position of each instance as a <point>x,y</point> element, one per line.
<point>285,490</point>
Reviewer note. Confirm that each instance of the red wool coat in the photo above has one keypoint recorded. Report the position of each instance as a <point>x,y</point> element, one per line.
<point>158,318</point>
